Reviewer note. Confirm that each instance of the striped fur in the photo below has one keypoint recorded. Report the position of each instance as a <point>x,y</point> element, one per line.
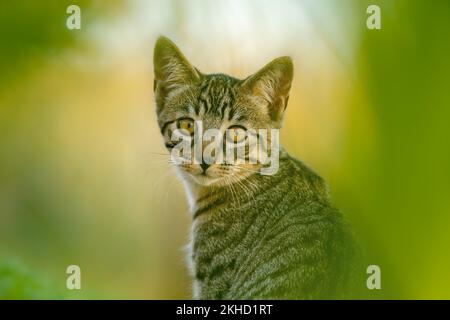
<point>253,236</point>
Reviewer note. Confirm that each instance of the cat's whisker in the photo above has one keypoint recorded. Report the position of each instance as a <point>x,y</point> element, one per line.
<point>248,170</point>
<point>244,189</point>
<point>155,165</point>
<point>251,183</point>
<point>233,191</point>
<point>159,153</point>
<point>249,189</point>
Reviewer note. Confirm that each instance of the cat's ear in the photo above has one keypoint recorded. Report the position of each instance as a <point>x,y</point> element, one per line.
<point>172,70</point>
<point>271,85</point>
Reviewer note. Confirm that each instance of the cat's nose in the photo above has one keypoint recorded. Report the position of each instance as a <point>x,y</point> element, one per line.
<point>204,166</point>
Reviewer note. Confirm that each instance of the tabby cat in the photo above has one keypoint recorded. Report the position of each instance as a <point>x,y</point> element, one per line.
<point>253,236</point>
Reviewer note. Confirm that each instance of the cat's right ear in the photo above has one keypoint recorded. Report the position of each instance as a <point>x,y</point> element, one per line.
<point>172,71</point>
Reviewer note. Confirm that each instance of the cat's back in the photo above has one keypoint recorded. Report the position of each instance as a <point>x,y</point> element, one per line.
<point>305,249</point>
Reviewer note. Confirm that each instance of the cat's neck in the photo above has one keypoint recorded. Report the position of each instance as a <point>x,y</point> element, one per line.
<point>236,192</point>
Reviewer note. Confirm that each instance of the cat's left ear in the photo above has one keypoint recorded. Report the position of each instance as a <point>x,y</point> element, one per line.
<point>272,84</point>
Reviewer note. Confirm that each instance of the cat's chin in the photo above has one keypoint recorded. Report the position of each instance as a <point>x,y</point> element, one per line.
<point>204,180</point>
<point>200,179</point>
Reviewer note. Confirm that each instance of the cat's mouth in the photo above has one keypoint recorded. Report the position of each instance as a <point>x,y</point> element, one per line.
<point>205,179</point>
<point>219,176</point>
<point>198,175</point>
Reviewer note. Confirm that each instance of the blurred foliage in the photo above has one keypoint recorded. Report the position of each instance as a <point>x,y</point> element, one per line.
<point>16,282</point>
<point>34,30</point>
<point>404,188</point>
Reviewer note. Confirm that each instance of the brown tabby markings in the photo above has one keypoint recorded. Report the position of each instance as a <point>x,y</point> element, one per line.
<point>253,236</point>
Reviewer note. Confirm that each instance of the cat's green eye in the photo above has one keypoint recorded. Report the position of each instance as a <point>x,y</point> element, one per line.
<point>236,134</point>
<point>186,124</point>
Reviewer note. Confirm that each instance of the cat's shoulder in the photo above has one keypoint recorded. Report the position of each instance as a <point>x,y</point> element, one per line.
<point>305,175</point>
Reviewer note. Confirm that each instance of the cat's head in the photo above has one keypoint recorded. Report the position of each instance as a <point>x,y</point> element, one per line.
<point>185,97</point>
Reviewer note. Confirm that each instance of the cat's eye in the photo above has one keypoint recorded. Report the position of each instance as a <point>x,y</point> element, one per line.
<point>187,125</point>
<point>236,134</point>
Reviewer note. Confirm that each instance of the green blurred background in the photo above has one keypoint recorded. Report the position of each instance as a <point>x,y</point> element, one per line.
<point>82,181</point>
